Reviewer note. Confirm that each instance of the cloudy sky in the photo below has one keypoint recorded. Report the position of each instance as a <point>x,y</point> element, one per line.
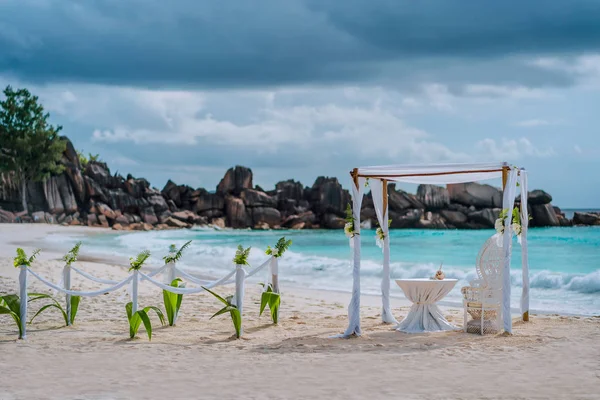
<point>184,89</point>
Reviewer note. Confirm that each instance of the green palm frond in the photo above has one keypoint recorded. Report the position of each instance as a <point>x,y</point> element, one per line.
<point>22,259</point>
<point>281,246</point>
<point>241,255</point>
<point>137,262</point>
<point>72,255</point>
<point>178,253</point>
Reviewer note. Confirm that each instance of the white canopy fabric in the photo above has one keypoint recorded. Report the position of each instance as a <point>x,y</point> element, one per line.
<point>441,174</point>
<point>437,174</point>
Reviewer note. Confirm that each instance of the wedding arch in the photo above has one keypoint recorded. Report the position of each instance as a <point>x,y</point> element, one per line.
<point>378,178</point>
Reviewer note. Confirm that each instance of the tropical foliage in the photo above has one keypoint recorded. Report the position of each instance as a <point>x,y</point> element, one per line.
<point>71,256</point>
<point>10,304</point>
<point>141,316</point>
<point>273,300</point>
<point>174,254</point>
<point>55,304</point>
<point>137,262</point>
<point>236,315</point>
<point>173,301</point>
<point>241,255</point>
<point>31,148</point>
<point>280,248</point>
<point>22,259</point>
<point>349,227</point>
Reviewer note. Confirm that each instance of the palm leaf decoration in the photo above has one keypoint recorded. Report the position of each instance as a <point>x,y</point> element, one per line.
<point>236,316</point>
<point>178,253</point>
<point>10,304</point>
<point>141,316</point>
<point>72,255</point>
<point>241,255</point>
<point>55,304</point>
<point>22,259</point>
<point>137,262</point>
<point>273,300</point>
<point>280,248</point>
<point>173,301</point>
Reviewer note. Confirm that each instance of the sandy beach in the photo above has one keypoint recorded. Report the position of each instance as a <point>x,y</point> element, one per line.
<point>552,356</point>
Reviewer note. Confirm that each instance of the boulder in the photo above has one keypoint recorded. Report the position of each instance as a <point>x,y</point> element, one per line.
<point>538,197</point>
<point>70,160</point>
<point>399,200</point>
<point>254,198</point>
<point>36,198</point>
<point>52,195</point>
<point>66,194</point>
<point>103,221</point>
<point>586,218</point>
<point>485,218</point>
<point>218,222</point>
<point>333,221</point>
<point>190,217</point>
<point>235,180</point>
<point>328,197</point>
<point>175,223</point>
<point>307,219</point>
<point>405,219</point>
<point>171,192</point>
<point>431,220</point>
<point>137,187</point>
<point>262,226</point>
<point>235,210</point>
<point>208,203</point>
<point>92,220</point>
<point>94,191</point>
<point>158,202</point>
<point>118,199</point>
<point>99,172</point>
<point>117,227</point>
<point>10,192</point>
<point>289,190</point>
<point>148,216</point>
<point>475,194</point>
<point>7,217</point>
<point>433,197</point>
<point>122,220</point>
<point>454,218</point>
<point>543,215</point>
<point>105,210</point>
<point>268,215</point>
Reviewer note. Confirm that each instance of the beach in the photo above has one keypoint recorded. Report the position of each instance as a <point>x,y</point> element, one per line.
<point>552,356</point>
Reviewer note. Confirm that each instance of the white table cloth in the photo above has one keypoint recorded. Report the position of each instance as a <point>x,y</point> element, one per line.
<point>424,315</point>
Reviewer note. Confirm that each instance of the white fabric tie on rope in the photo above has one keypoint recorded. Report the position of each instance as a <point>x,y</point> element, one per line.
<point>382,217</point>
<point>508,203</point>
<point>524,250</point>
<point>354,306</point>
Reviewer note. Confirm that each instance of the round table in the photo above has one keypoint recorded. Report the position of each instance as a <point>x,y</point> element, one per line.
<point>424,315</point>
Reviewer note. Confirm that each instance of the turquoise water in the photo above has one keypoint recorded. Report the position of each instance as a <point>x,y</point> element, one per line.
<point>564,262</point>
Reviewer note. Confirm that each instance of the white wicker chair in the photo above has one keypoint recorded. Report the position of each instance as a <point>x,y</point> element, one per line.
<point>482,300</point>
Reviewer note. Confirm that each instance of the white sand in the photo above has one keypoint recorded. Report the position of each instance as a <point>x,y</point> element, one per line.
<point>549,357</point>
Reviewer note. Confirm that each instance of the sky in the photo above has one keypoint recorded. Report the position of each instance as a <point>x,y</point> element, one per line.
<point>185,89</point>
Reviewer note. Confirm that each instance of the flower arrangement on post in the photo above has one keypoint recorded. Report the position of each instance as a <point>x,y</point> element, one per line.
<point>174,254</point>
<point>280,248</point>
<point>380,236</point>
<point>241,256</point>
<point>22,259</point>
<point>349,228</point>
<point>136,263</point>
<point>271,296</point>
<point>516,226</point>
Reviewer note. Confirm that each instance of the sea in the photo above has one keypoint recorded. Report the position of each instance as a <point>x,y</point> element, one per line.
<point>564,262</point>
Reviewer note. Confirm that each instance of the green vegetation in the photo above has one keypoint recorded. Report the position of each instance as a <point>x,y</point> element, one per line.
<point>22,259</point>
<point>10,304</point>
<point>137,262</point>
<point>173,301</point>
<point>236,315</point>
<point>72,254</point>
<point>241,255</point>
<point>177,253</point>
<point>30,148</point>
<point>141,316</point>
<point>280,248</point>
<point>55,304</point>
<point>271,299</point>
<point>83,160</point>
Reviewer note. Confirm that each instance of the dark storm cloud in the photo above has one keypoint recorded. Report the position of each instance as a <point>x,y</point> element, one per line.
<point>221,43</point>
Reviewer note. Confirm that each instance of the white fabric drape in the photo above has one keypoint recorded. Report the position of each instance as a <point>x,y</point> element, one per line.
<point>354,306</point>
<point>424,314</point>
<point>376,186</point>
<point>23,298</point>
<point>81,293</point>
<point>67,286</point>
<point>444,173</point>
<point>508,203</point>
<point>240,278</point>
<point>524,250</point>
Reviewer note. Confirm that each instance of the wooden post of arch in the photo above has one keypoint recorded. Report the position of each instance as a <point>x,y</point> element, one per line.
<point>504,177</point>
<point>385,195</point>
<point>354,174</point>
